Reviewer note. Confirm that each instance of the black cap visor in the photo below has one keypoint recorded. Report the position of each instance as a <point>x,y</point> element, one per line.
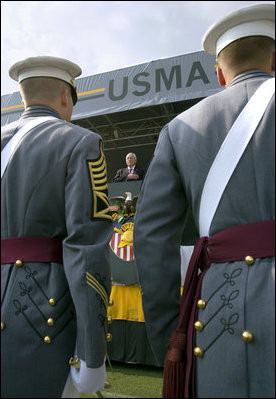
<point>74,95</point>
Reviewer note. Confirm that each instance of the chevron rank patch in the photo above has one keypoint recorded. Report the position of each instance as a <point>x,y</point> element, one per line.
<point>98,177</point>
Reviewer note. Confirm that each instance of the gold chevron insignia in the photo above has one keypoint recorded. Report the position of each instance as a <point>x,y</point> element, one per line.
<point>98,177</point>
<point>93,283</point>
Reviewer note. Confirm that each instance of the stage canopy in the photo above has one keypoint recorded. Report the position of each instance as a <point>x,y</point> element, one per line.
<point>128,107</point>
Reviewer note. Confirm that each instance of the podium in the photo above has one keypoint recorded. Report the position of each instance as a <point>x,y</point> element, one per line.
<point>129,341</point>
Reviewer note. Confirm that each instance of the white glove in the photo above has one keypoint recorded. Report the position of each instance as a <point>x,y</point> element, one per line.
<point>88,379</point>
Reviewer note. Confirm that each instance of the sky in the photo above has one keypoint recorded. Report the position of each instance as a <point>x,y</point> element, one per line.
<point>102,36</point>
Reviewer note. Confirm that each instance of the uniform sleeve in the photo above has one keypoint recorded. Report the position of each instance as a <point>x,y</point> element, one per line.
<point>157,238</point>
<point>85,249</point>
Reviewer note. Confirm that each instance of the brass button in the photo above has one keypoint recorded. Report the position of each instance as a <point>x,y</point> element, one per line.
<point>47,339</point>
<point>3,325</point>
<point>52,301</point>
<point>108,337</point>
<point>50,321</point>
<point>201,304</point>
<point>19,263</point>
<point>109,319</point>
<point>198,351</point>
<point>110,302</point>
<point>198,325</point>
<point>249,259</point>
<point>75,362</point>
<point>247,336</point>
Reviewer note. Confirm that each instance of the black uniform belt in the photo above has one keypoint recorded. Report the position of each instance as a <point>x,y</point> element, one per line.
<point>31,249</point>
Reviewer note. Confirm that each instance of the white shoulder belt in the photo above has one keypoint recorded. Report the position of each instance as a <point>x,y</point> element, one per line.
<point>11,146</point>
<point>230,152</point>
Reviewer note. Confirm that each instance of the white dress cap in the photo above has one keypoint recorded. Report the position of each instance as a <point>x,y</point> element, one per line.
<point>255,20</point>
<point>46,66</point>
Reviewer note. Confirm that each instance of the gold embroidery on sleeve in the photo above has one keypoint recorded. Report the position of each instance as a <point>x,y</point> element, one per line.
<point>97,171</point>
<point>92,282</point>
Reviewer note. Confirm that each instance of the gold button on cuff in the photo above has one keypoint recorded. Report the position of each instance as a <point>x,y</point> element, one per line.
<point>201,304</point>
<point>47,339</point>
<point>110,302</point>
<point>19,263</point>
<point>198,351</point>
<point>50,321</point>
<point>52,301</point>
<point>75,362</point>
<point>249,260</point>
<point>109,319</point>
<point>108,337</point>
<point>198,325</point>
<point>3,325</point>
<point>247,336</point>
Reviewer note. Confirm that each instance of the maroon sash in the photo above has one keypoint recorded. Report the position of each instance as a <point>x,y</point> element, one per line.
<point>233,244</point>
<point>31,249</point>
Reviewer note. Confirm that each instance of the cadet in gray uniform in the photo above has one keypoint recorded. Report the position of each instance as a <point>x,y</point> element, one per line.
<point>227,347</point>
<point>55,230</point>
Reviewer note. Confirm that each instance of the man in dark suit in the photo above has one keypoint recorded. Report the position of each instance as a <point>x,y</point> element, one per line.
<point>131,172</point>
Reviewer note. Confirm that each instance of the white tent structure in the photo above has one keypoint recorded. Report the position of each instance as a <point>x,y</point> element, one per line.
<point>128,107</point>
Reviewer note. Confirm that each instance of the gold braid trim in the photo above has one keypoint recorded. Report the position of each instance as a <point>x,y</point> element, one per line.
<point>92,282</point>
<point>98,177</point>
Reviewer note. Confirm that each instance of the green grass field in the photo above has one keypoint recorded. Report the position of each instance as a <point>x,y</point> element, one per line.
<point>131,381</point>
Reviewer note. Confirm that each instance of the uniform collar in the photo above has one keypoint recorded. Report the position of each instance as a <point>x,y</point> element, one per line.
<point>39,110</point>
<point>253,74</point>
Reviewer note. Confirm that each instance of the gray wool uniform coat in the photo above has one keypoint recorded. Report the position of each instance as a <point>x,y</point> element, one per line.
<point>54,186</point>
<point>239,297</point>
